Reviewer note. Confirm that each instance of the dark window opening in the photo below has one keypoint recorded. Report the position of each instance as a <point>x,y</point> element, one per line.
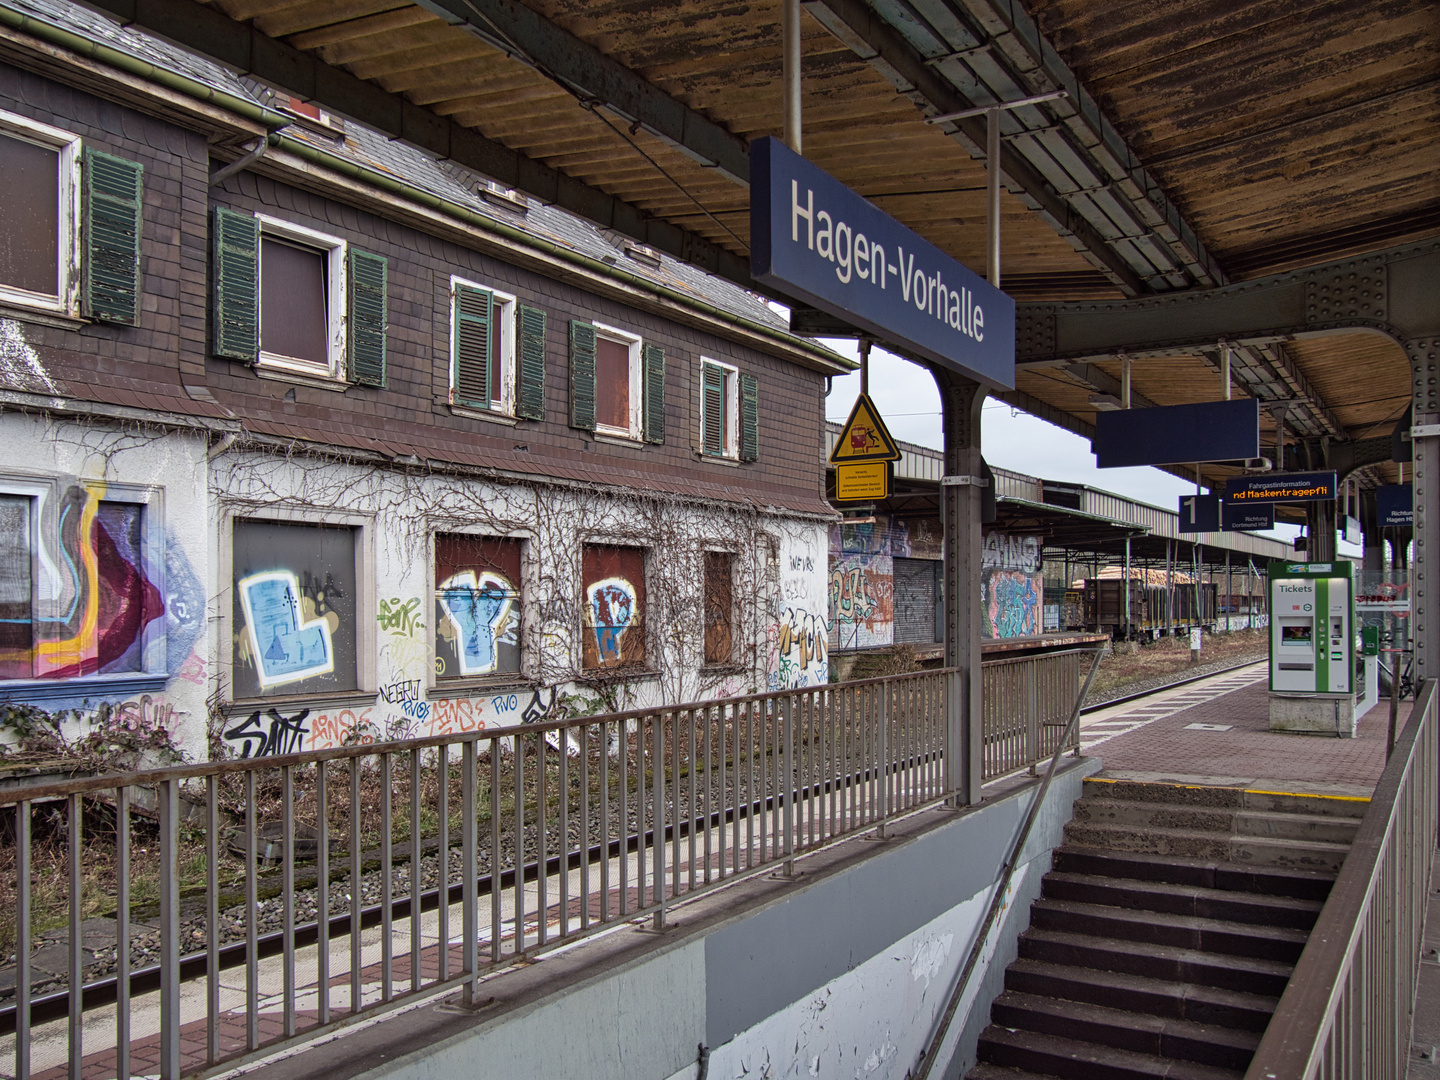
<point>294,317</point>
<point>612,383</point>
<point>16,626</point>
<point>719,607</point>
<point>29,216</point>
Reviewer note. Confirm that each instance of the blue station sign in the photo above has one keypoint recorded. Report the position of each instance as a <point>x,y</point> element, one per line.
<point>1395,506</point>
<point>1178,434</point>
<point>1251,517</point>
<point>814,239</point>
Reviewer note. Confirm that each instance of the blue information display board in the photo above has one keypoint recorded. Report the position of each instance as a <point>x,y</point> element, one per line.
<point>814,239</point>
<point>1178,434</point>
<point>1280,488</point>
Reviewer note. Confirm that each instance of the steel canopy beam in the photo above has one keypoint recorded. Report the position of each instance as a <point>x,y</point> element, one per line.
<point>515,29</point>
<point>1389,292</point>
<point>873,39</point>
<point>242,48</point>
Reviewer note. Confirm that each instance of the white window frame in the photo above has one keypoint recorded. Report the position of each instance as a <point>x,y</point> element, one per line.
<point>636,430</point>
<point>731,451</point>
<point>505,304</point>
<point>66,299</point>
<point>333,248</point>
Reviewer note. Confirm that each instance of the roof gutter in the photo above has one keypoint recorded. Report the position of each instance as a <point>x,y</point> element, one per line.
<point>274,120</point>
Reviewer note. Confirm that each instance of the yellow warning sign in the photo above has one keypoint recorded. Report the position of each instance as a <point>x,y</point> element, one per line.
<point>862,481</point>
<point>864,437</point>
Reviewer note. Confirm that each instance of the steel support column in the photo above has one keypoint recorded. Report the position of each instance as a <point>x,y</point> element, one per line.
<point>1320,525</point>
<point>1425,566</point>
<point>961,401</point>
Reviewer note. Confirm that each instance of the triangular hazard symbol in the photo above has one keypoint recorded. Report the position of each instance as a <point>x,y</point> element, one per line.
<point>864,437</point>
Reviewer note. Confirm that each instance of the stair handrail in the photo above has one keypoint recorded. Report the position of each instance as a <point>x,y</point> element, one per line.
<point>939,1034</point>
<point>1304,1035</point>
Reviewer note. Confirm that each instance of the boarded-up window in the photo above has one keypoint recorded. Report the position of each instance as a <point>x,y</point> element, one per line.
<point>477,606</point>
<point>613,598</point>
<point>29,216</point>
<point>612,383</point>
<point>294,614</point>
<point>719,607</point>
<point>16,540</point>
<point>294,317</point>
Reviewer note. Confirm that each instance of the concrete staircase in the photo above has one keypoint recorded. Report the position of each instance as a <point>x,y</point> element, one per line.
<point>1166,932</point>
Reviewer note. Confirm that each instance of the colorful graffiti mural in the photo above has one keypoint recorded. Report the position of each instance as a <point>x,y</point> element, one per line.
<point>294,608</point>
<point>1012,586</point>
<point>99,604</point>
<point>609,611</point>
<point>479,608</point>
<point>799,650</point>
<point>862,601</point>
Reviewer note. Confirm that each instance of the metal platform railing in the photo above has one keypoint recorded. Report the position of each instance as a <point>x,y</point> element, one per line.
<point>1346,1010</point>
<point>274,898</point>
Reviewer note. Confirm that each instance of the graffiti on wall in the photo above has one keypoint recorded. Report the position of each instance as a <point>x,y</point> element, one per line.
<point>268,731</point>
<point>478,609</point>
<point>609,611</point>
<point>799,650</point>
<point>862,601</point>
<point>295,608</point>
<point>286,646</point>
<point>102,602</point>
<point>1012,586</point>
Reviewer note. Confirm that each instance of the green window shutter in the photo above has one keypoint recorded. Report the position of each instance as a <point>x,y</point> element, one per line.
<point>236,316</point>
<point>366,323</point>
<point>530,384</point>
<point>654,373</point>
<point>473,345</point>
<point>749,418</point>
<point>582,375</point>
<point>712,409</point>
<point>112,190</point>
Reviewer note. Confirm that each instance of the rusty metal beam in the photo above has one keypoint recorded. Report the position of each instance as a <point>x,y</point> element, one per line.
<point>242,48</point>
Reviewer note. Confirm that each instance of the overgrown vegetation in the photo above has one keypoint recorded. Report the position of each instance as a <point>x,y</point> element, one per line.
<point>1170,656</point>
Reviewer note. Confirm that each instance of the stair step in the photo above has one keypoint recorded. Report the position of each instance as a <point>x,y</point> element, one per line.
<point>1180,931</point>
<point>1162,896</point>
<point>1071,1059</point>
<point>1250,975</point>
<point>1137,993</point>
<point>1292,825</point>
<point>1201,873</point>
<point>1247,850</point>
<point>1165,1037</point>
<point>1234,798</point>
<point>985,1071</point>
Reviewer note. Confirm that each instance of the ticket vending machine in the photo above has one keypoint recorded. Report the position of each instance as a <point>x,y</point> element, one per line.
<point>1312,648</point>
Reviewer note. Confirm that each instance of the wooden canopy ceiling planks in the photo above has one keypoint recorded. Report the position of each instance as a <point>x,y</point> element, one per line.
<point>1281,133</point>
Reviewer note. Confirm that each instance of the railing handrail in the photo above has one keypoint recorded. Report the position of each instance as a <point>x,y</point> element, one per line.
<point>200,770</point>
<point>1001,661</point>
<point>1307,1010</point>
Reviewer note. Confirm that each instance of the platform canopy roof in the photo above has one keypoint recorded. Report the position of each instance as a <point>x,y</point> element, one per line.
<point>1209,155</point>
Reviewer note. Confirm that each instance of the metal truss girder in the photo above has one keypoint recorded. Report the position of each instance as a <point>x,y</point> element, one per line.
<point>242,48</point>
<point>1390,292</point>
<point>1093,376</point>
<point>1350,457</point>
<point>874,40</point>
<point>515,28</point>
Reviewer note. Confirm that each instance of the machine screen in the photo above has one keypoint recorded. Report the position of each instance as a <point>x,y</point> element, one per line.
<point>1295,635</point>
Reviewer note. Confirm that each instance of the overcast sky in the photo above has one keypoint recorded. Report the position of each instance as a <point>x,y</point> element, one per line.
<point>908,401</point>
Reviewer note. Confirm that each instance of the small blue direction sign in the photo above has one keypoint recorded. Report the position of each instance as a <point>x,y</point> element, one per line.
<point>1280,488</point>
<point>1395,506</point>
<point>1199,513</point>
<point>1256,517</point>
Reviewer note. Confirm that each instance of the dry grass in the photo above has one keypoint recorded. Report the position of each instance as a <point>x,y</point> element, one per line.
<point>1171,656</point>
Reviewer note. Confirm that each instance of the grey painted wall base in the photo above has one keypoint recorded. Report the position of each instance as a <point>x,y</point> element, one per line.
<point>842,970</point>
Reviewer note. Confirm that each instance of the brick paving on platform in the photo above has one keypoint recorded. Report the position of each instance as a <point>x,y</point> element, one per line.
<point>1249,750</point>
